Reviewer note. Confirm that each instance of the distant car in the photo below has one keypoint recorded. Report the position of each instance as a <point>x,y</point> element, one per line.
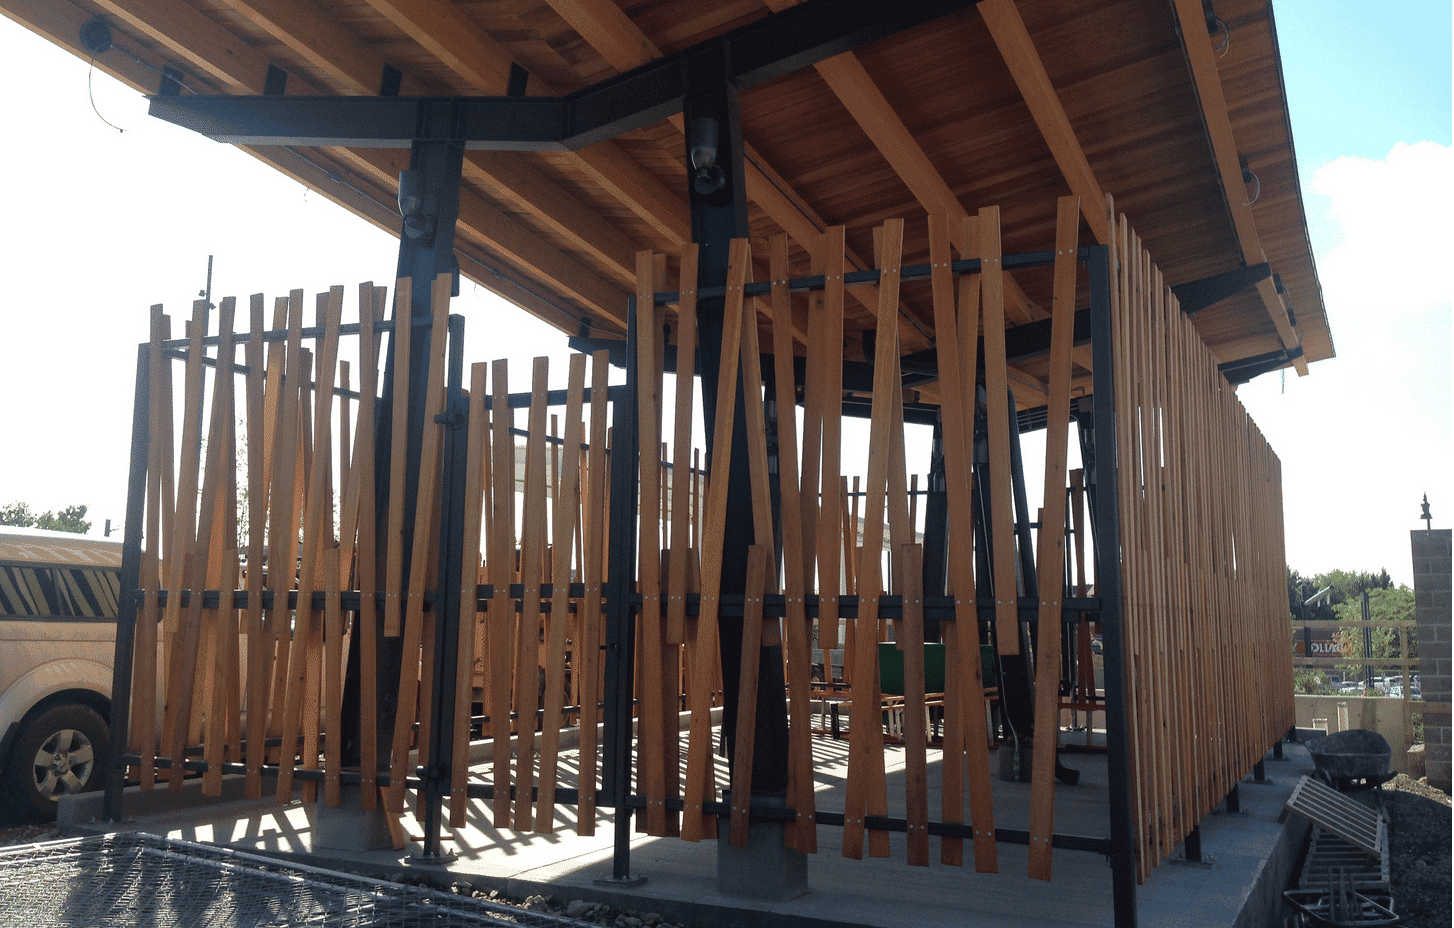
<point>1352,689</point>
<point>58,605</point>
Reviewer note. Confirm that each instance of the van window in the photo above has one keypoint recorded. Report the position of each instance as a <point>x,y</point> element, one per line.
<point>40,592</point>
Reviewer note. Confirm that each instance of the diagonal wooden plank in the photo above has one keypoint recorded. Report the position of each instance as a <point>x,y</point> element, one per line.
<point>474,501</point>
<point>532,565</point>
<point>699,785</point>
<point>592,557</point>
<point>566,509</point>
<point>965,728</point>
<point>682,417</point>
<point>802,831</point>
<point>500,561</point>
<point>1050,560</point>
<point>1002,527</point>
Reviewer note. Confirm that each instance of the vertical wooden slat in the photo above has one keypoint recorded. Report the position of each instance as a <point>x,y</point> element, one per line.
<point>474,501</point>
<point>500,562</point>
<point>567,499</point>
<point>398,458</point>
<point>1002,527</point>
<point>1050,559</point>
<point>144,662</point>
<point>681,482</point>
<point>590,609</point>
<point>650,737</point>
<point>180,664</point>
<point>830,412</point>
<point>424,530</point>
<point>333,658</point>
<point>372,301</point>
<point>224,550</point>
<point>916,768</point>
<point>532,558</point>
<point>865,792</point>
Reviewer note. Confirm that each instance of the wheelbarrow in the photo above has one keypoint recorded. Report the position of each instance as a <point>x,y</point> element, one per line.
<point>1351,758</point>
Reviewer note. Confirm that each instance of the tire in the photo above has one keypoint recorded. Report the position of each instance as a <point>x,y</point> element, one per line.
<point>62,751</point>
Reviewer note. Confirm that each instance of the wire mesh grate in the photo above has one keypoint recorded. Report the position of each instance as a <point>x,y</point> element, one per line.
<point>138,879</point>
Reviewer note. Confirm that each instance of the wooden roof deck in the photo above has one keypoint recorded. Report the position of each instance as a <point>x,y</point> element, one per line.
<point>997,104</point>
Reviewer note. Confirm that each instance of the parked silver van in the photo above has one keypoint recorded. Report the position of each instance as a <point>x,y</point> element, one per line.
<point>58,605</point>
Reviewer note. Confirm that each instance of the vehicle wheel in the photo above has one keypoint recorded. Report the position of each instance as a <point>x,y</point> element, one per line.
<point>62,751</point>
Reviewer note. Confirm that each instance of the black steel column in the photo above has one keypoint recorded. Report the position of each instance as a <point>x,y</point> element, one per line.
<point>620,620</point>
<point>1107,516</point>
<point>717,196</point>
<point>440,752</point>
<point>429,204</point>
<point>130,582</point>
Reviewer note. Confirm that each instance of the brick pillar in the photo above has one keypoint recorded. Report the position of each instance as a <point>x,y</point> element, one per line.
<point>1432,553</point>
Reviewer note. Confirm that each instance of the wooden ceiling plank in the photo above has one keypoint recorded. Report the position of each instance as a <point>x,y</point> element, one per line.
<point>1018,50</point>
<point>198,40</point>
<point>320,39</point>
<point>1202,61</point>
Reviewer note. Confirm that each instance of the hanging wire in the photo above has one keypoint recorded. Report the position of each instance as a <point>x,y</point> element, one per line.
<point>1221,48</point>
<point>91,92</point>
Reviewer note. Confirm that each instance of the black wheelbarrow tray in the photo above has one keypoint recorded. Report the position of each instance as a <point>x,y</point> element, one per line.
<point>1349,757</point>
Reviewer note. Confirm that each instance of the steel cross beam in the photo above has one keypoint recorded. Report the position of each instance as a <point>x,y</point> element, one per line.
<point>771,47</point>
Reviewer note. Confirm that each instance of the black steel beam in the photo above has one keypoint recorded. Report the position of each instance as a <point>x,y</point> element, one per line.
<point>770,47</point>
<point>1244,369</point>
<point>1196,295</point>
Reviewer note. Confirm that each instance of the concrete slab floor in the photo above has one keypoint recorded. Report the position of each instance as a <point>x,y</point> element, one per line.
<point>1249,854</point>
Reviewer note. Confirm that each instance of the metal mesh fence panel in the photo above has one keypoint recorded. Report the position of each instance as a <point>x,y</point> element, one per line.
<point>137,879</point>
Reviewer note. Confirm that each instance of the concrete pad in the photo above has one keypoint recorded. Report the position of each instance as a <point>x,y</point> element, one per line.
<point>1251,857</point>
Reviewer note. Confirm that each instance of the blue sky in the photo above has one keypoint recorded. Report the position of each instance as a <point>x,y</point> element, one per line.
<point>102,224</point>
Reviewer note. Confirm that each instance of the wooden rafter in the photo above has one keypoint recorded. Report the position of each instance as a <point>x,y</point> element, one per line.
<point>1013,40</point>
<point>1202,61</point>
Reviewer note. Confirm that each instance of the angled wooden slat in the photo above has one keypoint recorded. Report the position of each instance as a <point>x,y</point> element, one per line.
<point>333,667</point>
<point>964,722</point>
<point>180,664</point>
<point>916,772</point>
<point>590,625</point>
<point>1002,528</point>
<point>681,483</point>
<point>372,302</point>
<point>649,629</point>
<point>474,501</point>
<point>699,785</point>
<point>829,411</point>
<point>532,565</point>
<point>144,661</point>
<point>257,522</point>
<point>222,559</point>
<point>398,457</point>
<point>802,831</point>
<point>500,562</point>
<point>317,535</point>
<point>424,530</point>
<point>567,505</point>
<point>742,759</point>
<point>865,794</point>
<point>1050,559</point>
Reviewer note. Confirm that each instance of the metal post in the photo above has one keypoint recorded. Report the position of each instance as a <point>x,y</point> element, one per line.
<point>130,581</point>
<point>1259,772</point>
<point>717,197</point>
<point>436,777</point>
<point>1193,844</point>
<point>1108,587</point>
<point>426,250</point>
<point>620,623</point>
<point>1234,800</point>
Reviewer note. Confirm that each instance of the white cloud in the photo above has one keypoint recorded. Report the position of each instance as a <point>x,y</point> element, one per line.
<point>1397,240</point>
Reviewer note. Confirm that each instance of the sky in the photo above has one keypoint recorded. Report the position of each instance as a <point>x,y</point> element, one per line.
<point>102,224</point>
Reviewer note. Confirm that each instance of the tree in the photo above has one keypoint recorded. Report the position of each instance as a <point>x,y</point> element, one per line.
<point>1384,605</point>
<point>70,519</point>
